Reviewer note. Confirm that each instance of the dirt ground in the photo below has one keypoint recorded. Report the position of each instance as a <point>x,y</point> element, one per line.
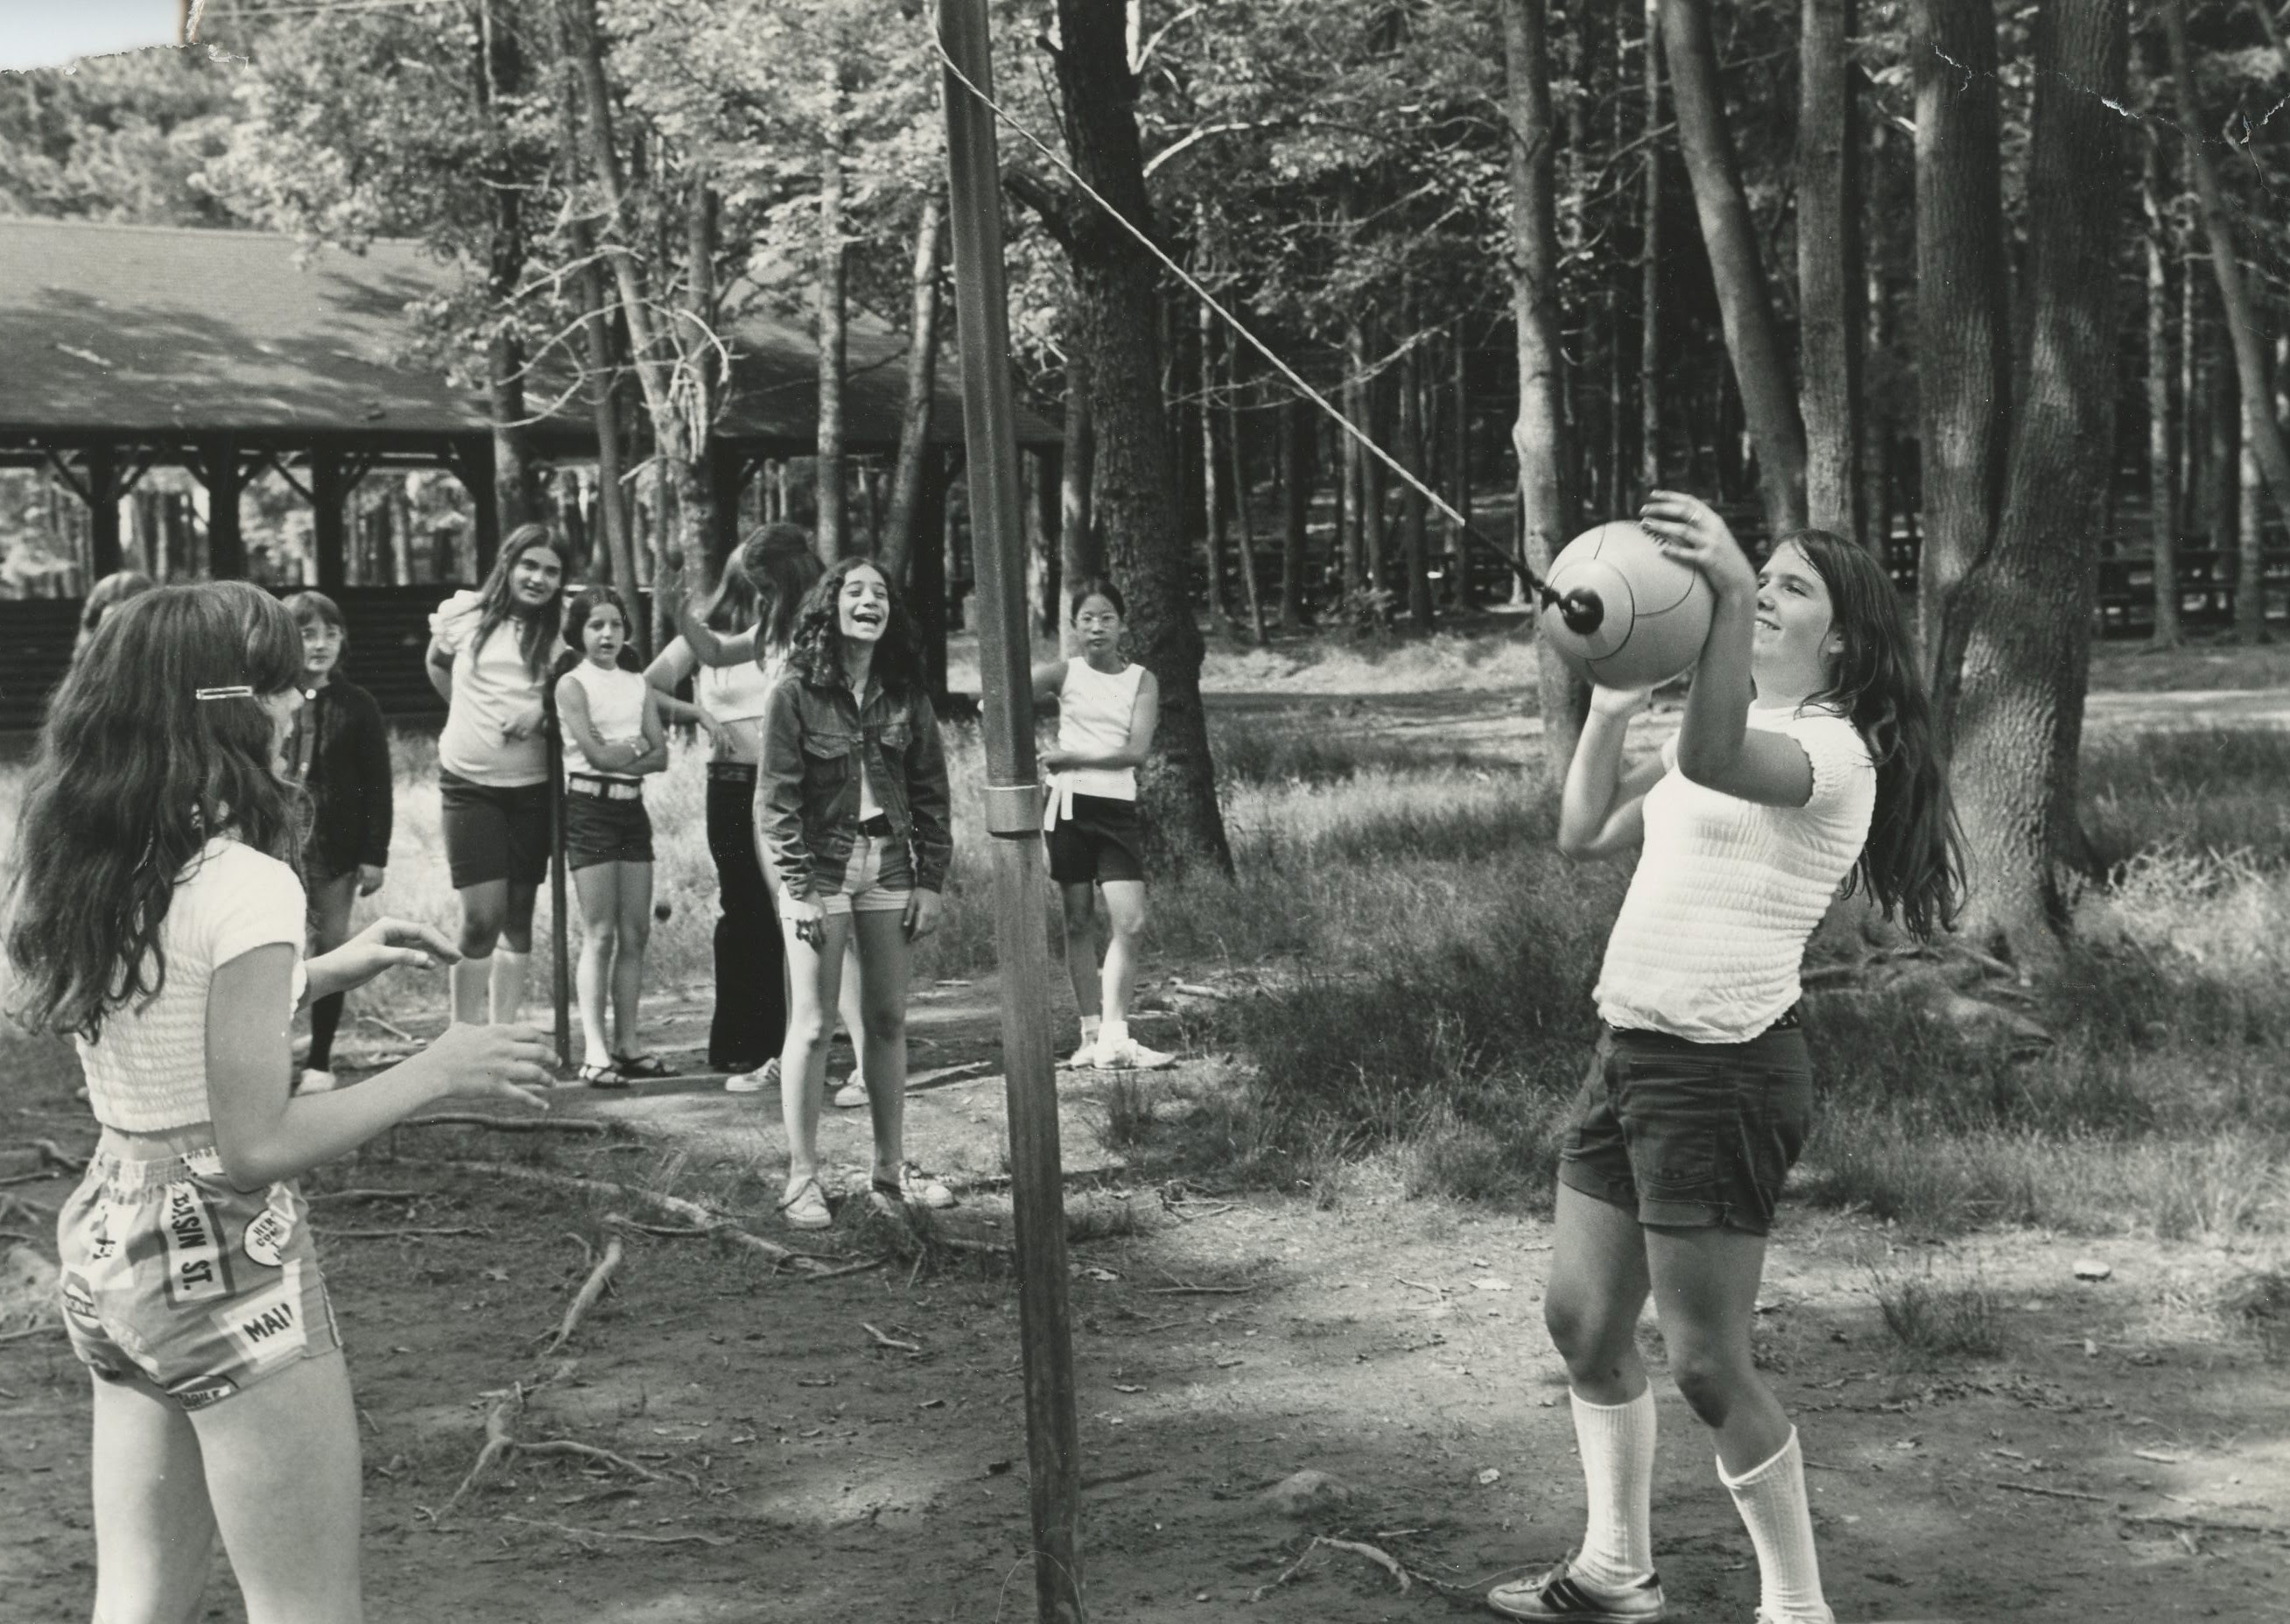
<point>803,1469</point>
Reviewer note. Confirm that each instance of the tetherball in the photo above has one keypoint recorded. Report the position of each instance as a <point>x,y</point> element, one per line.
<point>1653,612</point>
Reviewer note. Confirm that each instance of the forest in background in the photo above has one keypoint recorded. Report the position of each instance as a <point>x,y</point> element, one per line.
<point>1995,287</point>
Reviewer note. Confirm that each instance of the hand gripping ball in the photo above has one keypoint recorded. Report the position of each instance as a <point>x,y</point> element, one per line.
<point>1634,616</point>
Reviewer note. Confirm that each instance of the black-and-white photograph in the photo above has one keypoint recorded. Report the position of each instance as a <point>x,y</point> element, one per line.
<point>1301,810</point>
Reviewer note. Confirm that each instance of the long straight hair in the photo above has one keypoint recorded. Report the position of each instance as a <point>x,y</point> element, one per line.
<point>780,563</point>
<point>1913,864</point>
<point>496,604</point>
<point>133,773</point>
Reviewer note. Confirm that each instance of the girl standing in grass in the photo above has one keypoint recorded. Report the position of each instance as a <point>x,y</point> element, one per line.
<point>155,917</point>
<point>613,738</point>
<point>339,752</point>
<point>1107,707</point>
<point>1804,763</point>
<point>488,660</point>
<point>853,810</point>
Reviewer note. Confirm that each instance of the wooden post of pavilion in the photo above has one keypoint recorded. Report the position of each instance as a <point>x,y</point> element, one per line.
<point>1013,799</point>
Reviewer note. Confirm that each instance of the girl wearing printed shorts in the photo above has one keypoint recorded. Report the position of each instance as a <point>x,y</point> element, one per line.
<point>854,809</point>
<point>1106,710</point>
<point>156,916</point>
<point>612,738</point>
<point>338,754</point>
<point>735,650</point>
<point>489,659</point>
<point>1804,763</point>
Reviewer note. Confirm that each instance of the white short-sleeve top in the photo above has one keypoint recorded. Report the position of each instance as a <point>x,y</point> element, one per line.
<point>492,685</point>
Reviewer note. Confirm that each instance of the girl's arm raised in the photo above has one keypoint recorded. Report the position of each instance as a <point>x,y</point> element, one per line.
<point>1601,809</point>
<point>265,1135</point>
<point>708,646</point>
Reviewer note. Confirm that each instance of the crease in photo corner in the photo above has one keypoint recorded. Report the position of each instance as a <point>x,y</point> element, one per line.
<point>35,37</point>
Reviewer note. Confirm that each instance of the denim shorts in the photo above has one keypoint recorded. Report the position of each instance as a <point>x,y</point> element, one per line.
<point>170,1274</point>
<point>597,830</point>
<point>1687,1135</point>
<point>876,879</point>
<point>1104,839</point>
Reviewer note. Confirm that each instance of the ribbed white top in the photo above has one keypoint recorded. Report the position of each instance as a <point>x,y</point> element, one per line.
<point>148,1072</point>
<point>616,705</point>
<point>1712,932</point>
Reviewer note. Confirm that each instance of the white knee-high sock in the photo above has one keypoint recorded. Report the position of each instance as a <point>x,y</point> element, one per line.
<point>1617,1445</point>
<point>1771,1499</point>
<point>507,988</point>
<point>469,979</point>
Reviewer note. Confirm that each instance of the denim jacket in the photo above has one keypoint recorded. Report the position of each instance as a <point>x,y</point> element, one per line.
<point>807,797</point>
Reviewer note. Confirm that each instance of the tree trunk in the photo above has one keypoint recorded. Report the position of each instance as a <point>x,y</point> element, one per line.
<point>1045,572</point>
<point>2250,536</point>
<point>1538,436</point>
<point>501,72</point>
<point>922,382</point>
<point>1752,339</point>
<point>2223,461</point>
<point>1459,475</point>
<point>1243,533</point>
<point>2262,433</point>
<point>926,570</point>
<point>1828,269</point>
<point>1350,520</point>
<point>1301,445</point>
<point>832,538</point>
<point>1960,323</point>
<point>1415,528</point>
<point>2162,472</point>
<point>1376,561</point>
<point>1650,266</point>
<point>1136,487</point>
<point>2028,604</point>
<point>1212,554</point>
<point>1079,554</point>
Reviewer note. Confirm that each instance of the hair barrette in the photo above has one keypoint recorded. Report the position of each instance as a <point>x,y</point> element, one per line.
<point>236,691</point>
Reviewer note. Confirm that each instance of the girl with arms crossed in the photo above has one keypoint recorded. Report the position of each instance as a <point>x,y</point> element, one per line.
<point>613,738</point>
<point>156,918</point>
<point>1805,762</point>
<point>854,811</point>
<point>488,660</point>
<point>1106,710</point>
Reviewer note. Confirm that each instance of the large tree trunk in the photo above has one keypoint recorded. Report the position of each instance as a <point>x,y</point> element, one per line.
<point>922,382</point>
<point>1302,447</point>
<point>1650,265</point>
<point>1751,338</point>
<point>1212,507</point>
<point>833,536</point>
<point>1828,269</point>
<point>2162,470</point>
<point>1538,436</point>
<point>501,72</point>
<point>1079,554</point>
<point>1136,484</point>
<point>1350,520</point>
<point>2027,604</point>
<point>1458,473</point>
<point>1244,532</point>
<point>2259,422</point>
<point>1415,513</point>
<point>1960,320</point>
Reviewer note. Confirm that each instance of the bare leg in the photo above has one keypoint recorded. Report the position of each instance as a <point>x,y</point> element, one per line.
<point>282,1469</point>
<point>814,978</point>
<point>1125,908</point>
<point>598,888</point>
<point>1081,945</point>
<point>484,910</point>
<point>1705,1293</point>
<point>849,1004</point>
<point>628,957</point>
<point>154,1532</point>
<point>1598,1283</point>
<point>505,996</point>
<point>885,952</point>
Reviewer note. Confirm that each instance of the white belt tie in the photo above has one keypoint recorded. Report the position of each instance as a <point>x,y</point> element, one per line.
<point>1058,802</point>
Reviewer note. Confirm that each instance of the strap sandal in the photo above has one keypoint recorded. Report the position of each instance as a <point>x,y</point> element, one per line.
<point>887,1198</point>
<point>641,1066</point>
<point>601,1074</point>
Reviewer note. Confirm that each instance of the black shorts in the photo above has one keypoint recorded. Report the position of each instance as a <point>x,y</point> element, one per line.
<point>493,833</point>
<point>1691,1136</point>
<point>1103,840</point>
<point>597,830</point>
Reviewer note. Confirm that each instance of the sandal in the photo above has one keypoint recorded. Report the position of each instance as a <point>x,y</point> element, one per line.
<point>601,1075</point>
<point>805,1204</point>
<point>641,1066</point>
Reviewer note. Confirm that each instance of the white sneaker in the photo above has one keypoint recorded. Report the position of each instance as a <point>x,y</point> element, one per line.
<point>924,1189</point>
<point>1130,1055</point>
<point>1084,1058</point>
<point>853,1094</point>
<point>1558,1594</point>
<point>764,1076</point>
<point>315,1082</point>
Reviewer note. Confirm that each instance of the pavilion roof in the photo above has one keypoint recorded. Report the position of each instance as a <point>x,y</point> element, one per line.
<point>170,331</point>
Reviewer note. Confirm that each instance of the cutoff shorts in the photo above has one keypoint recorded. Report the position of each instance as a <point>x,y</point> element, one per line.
<point>597,830</point>
<point>170,1274</point>
<point>878,879</point>
<point>492,832</point>
<point>1104,839</point>
<point>1687,1135</point>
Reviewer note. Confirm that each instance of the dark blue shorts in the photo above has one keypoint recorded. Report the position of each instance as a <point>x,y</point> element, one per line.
<point>1691,1136</point>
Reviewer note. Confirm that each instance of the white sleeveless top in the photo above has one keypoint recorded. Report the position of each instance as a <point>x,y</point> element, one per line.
<point>616,702</point>
<point>1093,714</point>
<point>738,693</point>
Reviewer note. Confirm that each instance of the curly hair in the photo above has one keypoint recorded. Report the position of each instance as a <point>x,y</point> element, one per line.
<point>815,652</point>
<point>132,775</point>
<point>1914,861</point>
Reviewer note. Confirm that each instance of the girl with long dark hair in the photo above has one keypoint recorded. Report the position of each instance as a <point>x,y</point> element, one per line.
<point>1805,764</point>
<point>854,809</point>
<point>155,917</point>
<point>489,659</point>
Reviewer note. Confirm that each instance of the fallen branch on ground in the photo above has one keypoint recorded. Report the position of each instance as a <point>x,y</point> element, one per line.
<point>572,1533</point>
<point>1200,1291</point>
<point>18,1336</point>
<point>860,1268</point>
<point>498,1444</point>
<point>1357,1547</point>
<point>510,1124</point>
<point>691,1211</point>
<point>882,1340</point>
<point>399,1234</point>
<point>589,1451</point>
<point>364,1196</point>
<point>56,1155</point>
<point>2036,1488</point>
<point>397,1032</point>
<point>2199,1523</point>
<point>591,1290</point>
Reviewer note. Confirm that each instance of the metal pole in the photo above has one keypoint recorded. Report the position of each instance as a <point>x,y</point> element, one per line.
<point>1013,815</point>
<point>560,957</point>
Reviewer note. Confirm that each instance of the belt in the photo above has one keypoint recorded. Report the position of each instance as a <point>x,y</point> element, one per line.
<point>605,789</point>
<point>1788,1019</point>
<point>732,772</point>
<point>876,828</point>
